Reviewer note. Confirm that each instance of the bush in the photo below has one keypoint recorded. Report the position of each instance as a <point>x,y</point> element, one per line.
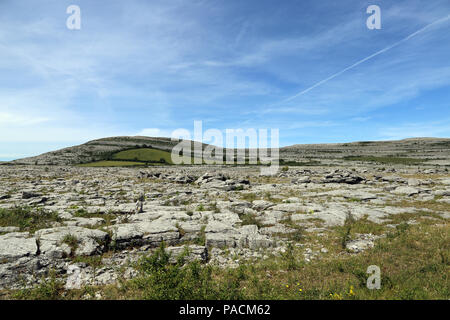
<point>48,289</point>
<point>161,279</point>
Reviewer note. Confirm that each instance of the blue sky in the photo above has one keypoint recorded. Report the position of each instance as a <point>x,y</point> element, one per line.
<point>148,67</point>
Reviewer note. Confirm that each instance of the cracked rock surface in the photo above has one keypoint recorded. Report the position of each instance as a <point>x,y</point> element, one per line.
<point>224,215</point>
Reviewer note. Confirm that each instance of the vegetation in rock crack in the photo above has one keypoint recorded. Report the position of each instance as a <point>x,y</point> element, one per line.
<point>27,218</point>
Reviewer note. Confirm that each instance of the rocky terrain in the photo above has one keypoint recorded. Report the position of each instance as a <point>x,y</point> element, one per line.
<point>426,150</point>
<point>433,151</point>
<point>57,219</point>
<point>97,150</point>
<point>225,215</point>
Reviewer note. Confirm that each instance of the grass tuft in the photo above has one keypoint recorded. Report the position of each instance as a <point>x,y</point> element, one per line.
<point>27,218</point>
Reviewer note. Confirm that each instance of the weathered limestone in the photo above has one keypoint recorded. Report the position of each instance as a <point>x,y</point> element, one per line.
<point>232,214</point>
<point>409,191</point>
<point>144,233</point>
<point>16,245</point>
<point>53,242</point>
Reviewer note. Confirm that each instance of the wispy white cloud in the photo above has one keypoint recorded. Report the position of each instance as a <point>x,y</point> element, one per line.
<point>321,82</point>
<point>150,67</point>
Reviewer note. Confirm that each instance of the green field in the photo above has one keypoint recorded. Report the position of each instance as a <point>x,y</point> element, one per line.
<point>144,155</point>
<point>150,156</point>
<point>107,163</point>
<point>136,157</point>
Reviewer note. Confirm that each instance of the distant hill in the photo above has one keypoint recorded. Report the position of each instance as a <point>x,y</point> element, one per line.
<point>154,149</point>
<point>415,148</point>
<point>100,149</point>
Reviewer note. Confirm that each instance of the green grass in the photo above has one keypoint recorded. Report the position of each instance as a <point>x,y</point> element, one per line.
<point>83,213</point>
<point>162,280</point>
<point>49,289</point>
<point>159,279</point>
<point>148,156</point>
<point>298,230</point>
<point>414,260</point>
<point>92,261</point>
<point>109,163</point>
<point>144,155</point>
<point>27,218</point>
<point>72,241</point>
<point>201,207</point>
<point>136,157</point>
<point>249,196</point>
<point>201,238</point>
<point>414,263</point>
<point>249,219</point>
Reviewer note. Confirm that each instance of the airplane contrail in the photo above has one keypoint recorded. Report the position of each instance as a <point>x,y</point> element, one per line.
<point>365,59</point>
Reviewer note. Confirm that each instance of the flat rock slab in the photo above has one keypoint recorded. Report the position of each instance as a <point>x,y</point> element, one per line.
<point>145,233</point>
<point>194,252</point>
<point>362,196</point>
<point>221,236</point>
<point>363,242</point>
<point>9,229</point>
<point>16,245</point>
<point>261,204</point>
<point>409,191</point>
<point>85,222</point>
<point>89,241</point>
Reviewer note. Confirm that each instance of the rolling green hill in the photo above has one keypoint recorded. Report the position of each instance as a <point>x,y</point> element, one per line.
<point>137,157</point>
<point>145,155</point>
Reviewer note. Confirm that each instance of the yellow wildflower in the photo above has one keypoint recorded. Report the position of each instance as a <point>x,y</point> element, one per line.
<point>351,292</point>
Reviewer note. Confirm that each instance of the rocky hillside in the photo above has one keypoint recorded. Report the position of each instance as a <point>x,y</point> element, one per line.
<point>433,150</point>
<point>429,150</point>
<point>96,150</point>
